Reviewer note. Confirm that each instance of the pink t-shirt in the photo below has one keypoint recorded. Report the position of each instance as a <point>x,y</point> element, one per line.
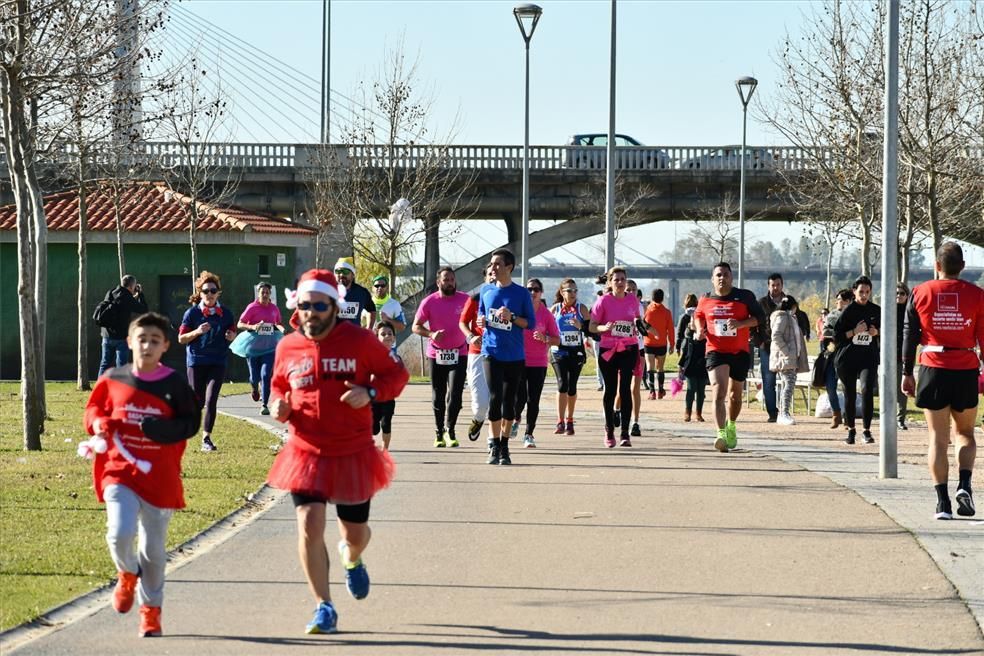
<point>536,352</point>
<point>624,311</point>
<point>256,312</point>
<point>440,312</point>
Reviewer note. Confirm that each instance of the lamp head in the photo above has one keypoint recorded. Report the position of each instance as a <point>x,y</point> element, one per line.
<point>527,16</point>
<point>746,87</point>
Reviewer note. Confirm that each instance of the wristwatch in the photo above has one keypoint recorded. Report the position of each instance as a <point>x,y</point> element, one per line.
<point>372,393</point>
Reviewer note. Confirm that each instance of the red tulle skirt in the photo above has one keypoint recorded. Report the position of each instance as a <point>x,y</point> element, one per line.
<point>349,479</point>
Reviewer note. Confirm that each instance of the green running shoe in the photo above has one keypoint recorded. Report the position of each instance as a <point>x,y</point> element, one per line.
<point>732,434</point>
<point>721,443</point>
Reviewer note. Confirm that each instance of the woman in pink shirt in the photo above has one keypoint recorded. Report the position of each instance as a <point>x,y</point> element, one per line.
<point>614,315</point>
<point>536,345</point>
<point>261,319</point>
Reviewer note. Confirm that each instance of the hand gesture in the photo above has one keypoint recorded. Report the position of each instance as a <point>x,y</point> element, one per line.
<point>873,331</point>
<point>909,385</point>
<point>280,408</point>
<point>384,317</point>
<point>576,323</point>
<point>862,327</point>
<point>480,321</point>
<point>731,324</point>
<point>204,328</point>
<point>436,335</point>
<point>504,314</point>
<point>357,396</point>
<point>538,336</point>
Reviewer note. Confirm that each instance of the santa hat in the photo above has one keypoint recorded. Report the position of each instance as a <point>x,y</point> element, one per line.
<point>321,281</point>
<point>345,263</point>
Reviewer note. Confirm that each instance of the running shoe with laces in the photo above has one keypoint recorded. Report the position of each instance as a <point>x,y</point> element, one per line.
<point>356,575</point>
<point>514,431</point>
<point>636,431</point>
<point>625,441</point>
<point>610,438</point>
<point>126,584</point>
<point>866,436</point>
<point>560,428</point>
<point>325,619</point>
<point>731,432</point>
<point>450,439</point>
<point>529,442</point>
<point>943,510</point>
<point>207,445</point>
<point>721,442</point>
<point>504,458</point>
<point>264,411</point>
<point>965,502</point>
<point>494,452</point>
<point>569,429</point>
<point>475,429</point>
<point>150,622</point>
<point>439,440</point>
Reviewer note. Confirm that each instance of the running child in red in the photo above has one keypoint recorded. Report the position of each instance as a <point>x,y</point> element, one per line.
<point>140,416</point>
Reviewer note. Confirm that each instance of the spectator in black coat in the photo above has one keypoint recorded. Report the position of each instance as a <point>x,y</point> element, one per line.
<point>127,301</point>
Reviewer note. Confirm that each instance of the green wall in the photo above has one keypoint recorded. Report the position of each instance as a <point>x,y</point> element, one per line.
<point>158,267</point>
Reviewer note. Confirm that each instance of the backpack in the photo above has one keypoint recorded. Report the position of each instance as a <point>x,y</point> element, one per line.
<point>105,313</point>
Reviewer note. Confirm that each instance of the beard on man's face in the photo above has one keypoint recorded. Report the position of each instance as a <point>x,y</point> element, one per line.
<point>318,324</point>
<point>449,288</point>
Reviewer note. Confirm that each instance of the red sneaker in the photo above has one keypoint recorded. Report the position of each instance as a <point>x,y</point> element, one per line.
<point>652,396</point>
<point>126,584</point>
<point>150,622</point>
<point>560,428</point>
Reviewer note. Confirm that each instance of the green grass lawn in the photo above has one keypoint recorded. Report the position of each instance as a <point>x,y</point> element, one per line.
<point>52,528</point>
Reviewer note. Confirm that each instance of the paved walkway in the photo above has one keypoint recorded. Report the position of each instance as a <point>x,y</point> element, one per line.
<point>665,548</point>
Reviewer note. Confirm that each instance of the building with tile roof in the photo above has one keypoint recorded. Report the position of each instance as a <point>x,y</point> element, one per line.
<point>241,246</point>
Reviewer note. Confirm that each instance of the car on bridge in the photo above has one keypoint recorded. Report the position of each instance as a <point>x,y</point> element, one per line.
<point>729,158</point>
<point>590,151</point>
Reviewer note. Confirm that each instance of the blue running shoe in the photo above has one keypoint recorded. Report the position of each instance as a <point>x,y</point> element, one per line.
<point>325,619</point>
<point>356,576</point>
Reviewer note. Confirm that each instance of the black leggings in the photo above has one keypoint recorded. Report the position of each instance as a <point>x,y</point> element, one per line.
<point>848,374</point>
<point>504,379</point>
<point>567,370</point>
<point>529,395</point>
<point>617,374</point>
<point>206,380</point>
<point>695,391</point>
<point>447,384</point>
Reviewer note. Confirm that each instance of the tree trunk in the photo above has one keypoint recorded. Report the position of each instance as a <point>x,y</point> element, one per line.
<point>865,244</point>
<point>192,225</point>
<point>905,244</point>
<point>83,323</point>
<point>18,162</point>
<point>830,264</point>
<point>933,209</point>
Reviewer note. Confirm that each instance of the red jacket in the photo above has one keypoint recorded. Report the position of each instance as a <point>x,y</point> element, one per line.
<point>315,373</point>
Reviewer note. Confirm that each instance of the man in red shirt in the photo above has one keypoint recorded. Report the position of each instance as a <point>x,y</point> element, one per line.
<point>472,327</point>
<point>946,316</point>
<point>724,319</point>
<point>325,376</point>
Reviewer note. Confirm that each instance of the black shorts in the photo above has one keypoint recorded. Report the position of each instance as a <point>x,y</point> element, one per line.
<point>939,388</point>
<point>357,514</point>
<point>658,351</point>
<point>739,363</point>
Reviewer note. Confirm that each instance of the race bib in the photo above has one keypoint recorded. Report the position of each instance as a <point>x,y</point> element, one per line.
<point>348,310</point>
<point>265,329</point>
<point>494,322</point>
<point>622,329</point>
<point>447,357</point>
<point>721,329</point>
<point>570,338</point>
<point>862,339</point>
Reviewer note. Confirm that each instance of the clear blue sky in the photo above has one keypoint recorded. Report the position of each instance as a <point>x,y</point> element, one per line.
<point>676,66</point>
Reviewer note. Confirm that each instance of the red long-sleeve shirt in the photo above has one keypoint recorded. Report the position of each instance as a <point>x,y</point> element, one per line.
<point>315,373</point>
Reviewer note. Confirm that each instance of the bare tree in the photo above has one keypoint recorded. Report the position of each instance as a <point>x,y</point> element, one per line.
<point>194,117</point>
<point>392,181</point>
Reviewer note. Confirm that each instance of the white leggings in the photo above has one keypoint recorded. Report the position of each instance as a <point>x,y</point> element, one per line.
<point>478,387</point>
<point>127,515</point>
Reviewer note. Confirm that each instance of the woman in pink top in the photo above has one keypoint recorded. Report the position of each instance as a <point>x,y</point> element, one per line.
<point>536,344</point>
<point>614,315</point>
<point>261,319</point>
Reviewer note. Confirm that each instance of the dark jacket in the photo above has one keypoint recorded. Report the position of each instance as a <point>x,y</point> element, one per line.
<point>128,305</point>
<point>763,338</point>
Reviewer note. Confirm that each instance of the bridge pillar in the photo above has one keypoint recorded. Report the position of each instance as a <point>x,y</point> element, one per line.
<point>514,229</point>
<point>432,252</point>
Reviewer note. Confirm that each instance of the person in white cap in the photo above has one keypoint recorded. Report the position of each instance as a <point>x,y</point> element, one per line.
<point>356,302</point>
<point>325,376</point>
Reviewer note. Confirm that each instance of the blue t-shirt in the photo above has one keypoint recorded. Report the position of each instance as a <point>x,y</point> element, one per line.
<point>212,347</point>
<point>504,341</point>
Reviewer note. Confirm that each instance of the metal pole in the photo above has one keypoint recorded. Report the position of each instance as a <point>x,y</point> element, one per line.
<point>741,198</point>
<point>888,389</point>
<point>610,177</point>
<point>524,255</point>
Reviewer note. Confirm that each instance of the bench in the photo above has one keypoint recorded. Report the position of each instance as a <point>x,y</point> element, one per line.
<point>804,383</point>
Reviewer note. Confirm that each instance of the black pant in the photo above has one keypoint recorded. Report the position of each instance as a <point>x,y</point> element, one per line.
<point>504,379</point>
<point>567,370</point>
<point>848,373</point>
<point>617,373</point>
<point>695,391</point>
<point>206,380</point>
<point>529,395</point>
<point>447,384</point>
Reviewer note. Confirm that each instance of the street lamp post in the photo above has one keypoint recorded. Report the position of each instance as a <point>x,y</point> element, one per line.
<point>527,16</point>
<point>746,87</point>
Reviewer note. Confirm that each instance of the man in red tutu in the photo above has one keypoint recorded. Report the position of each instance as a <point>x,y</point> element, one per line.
<point>325,376</point>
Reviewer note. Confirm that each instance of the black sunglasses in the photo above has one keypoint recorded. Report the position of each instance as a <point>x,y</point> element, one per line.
<point>210,290</point>
<point>570,290</point>
<point>317,306</point>
<point>342,272</point>
<point>534,289</point>
<point>379,285</point>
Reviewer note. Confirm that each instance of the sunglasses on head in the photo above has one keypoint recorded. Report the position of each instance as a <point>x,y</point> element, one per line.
<point>317,306</point>
<point>210,290</point>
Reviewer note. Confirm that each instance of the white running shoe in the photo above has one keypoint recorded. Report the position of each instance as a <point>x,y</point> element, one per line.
<point>785,420</point>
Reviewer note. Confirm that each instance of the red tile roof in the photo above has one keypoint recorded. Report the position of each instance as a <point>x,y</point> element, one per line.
<point>150,207</point>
